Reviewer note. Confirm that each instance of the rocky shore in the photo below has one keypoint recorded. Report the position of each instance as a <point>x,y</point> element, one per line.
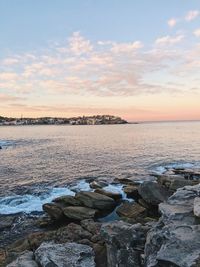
<point>151,224</point>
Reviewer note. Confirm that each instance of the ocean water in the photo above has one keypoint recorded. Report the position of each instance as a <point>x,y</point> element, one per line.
<point>39,163</point>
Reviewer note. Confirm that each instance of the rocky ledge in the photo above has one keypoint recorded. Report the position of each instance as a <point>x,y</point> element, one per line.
<point>153,224</point>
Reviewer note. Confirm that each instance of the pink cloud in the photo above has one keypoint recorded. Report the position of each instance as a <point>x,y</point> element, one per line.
<point>172,22</point>
<point>191,15</point>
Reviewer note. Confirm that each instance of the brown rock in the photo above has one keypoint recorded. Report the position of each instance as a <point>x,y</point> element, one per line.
<point>131,210</point>
<point>79,213</point>
<point>115,196</point>
<point>53,210</point>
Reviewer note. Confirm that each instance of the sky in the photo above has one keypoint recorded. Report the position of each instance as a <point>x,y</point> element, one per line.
<point>137,59</point>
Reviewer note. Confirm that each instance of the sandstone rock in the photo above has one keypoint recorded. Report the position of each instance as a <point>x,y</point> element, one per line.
<point>53,210</point>
<point>25,260</point>
<point>67,201</point>
<point>131,210</point>
<point>115,196</point>
<point>6,221</point>
<point>153,193</point>
<point>174,240</point>
<point>124,242</point>
<point>131,192</point>
<point>98,184</point>
<point>95,200</point>
<point>91,226</point>
<point>79,213</point>
<point>196,208</point>
<point>65,255</point>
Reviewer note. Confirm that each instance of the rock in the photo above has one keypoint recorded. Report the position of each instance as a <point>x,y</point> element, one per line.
<point>98,184</point>
<point>25,260</point>
<point>125,181</point>
<point>124,242</point>
<point>67,201</point>
<point>131,192</point>
<point>115,196</point>
<point>79,213</point>
<point>174,240</point>
<point>196,208</point>
<point>131,210</point>
<point>6,221</point>
<point>153,193</point>
<point>95,200</point>
<point>91,226</point>
<point>1,147</point>
<point>100,255</point>
<point>53,210</point>
<point>188,173</point>
<point>65,255</point>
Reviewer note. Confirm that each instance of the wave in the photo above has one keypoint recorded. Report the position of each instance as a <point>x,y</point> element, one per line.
<point>176,165</point>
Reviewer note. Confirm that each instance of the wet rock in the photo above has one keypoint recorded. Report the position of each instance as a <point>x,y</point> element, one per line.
<point>197,206</point>
<point>115,196</point>
<point>6,221</point>
<point>131,192</point>
<point>25,260</point>
<point>91,226</point>
<point>95,200</point>
<point>124,242</point>
<point>67,201</point>
<point>125,181</point>
<point>188,173</point>
<point>79,213</point>
<point>98,184</point>
<point>174,240</point>
<point>65,255</point>
<point>100,255</point>
<point>1,147</point>
<point>53,210</point>
<point>131,210</point>
<point>153,193</point>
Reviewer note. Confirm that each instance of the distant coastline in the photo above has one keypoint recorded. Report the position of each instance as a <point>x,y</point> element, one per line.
<point>81,120</point>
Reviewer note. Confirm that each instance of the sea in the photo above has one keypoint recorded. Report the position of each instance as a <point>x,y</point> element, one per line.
<point>39,163</point>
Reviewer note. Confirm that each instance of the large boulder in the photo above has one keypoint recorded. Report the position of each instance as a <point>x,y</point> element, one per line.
<point>115,196</point>
<point>131,210</point>
<point>98,184</point>
<point>131,191</point>
<point>174,241</point>
<point>24,260</point>
<point>65,255</point>
<point>124,242</point>
<point>79,213</point>
<point>95,200</point>
<point>53,210</point>
<point>153,193</point>
<point>67,201</point>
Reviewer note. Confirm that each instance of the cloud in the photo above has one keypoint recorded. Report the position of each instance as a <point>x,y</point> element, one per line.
<point>7,76</point>
<point>169,40</point>
<point>191,15</point>
<point>172,22</point>
<point>9,98</point>
<point>197,32</point>
<point>126,47</point>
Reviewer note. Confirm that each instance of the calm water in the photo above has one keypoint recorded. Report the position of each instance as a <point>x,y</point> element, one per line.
<point>35,159</point>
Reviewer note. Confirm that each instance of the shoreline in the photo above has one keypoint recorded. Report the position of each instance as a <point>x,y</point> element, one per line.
<point>141,203</point>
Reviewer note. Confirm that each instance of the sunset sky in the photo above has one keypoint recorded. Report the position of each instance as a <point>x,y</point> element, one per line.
<point>138,59</point>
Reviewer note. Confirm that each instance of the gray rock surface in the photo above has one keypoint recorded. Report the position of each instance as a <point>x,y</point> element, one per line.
<point>153,193</point>
<point>95,200</point>
<point>25,260</point>
<point>79,213</point>
<point>124,242</point>
<point>175,240</point>
<point>197,206</point>
<point>67,201</point>
<point>64,255</point>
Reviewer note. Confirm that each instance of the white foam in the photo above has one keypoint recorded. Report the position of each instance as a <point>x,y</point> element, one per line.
<point>116,188</point>
<point>81,186</point>
<point>164,168</point>
<point>30,203</point>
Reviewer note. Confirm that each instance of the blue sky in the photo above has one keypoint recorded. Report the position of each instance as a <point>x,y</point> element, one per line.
<point>134,48</point>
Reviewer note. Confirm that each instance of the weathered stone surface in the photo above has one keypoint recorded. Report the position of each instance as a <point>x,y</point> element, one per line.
<point>67,201</point>
<point>131,210</point>
<point>153,193</point>
<point>115,196</point>
<point>124,242</point>
<point>65,255</point>
<point>6,221</point>
<point>174,241</point>
<point>98,184</point>
<point>79,213</point>
<point>53,210</point>
<point>197,206</point>
<point>95,200</point>
<point>25,260</point>
<point>131,191</point>
<point>91,226</point>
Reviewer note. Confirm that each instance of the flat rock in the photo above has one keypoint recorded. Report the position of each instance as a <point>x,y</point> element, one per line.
<point>79,213</point>
<point>197,206</point>
<point>67,201</point>
<point>53,210</point>
<point>95,200</point>
<point>115,196</point>
<point>153,193</point>
<point>25,260</point>
<point>131,210</point>
<point>64,255</point>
